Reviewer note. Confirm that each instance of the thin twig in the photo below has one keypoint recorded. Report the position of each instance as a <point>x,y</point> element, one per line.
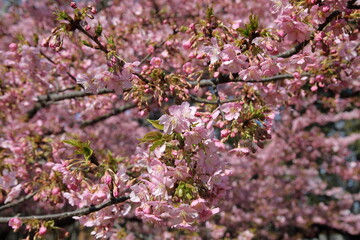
<point>79,212</point>
<point>50,60</point>
<point>201,100</point>
<point>101,47</point>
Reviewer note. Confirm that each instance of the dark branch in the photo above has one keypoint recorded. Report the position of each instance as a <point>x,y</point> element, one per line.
<point>116,111</point>
<point>45,100</point>
<point>226,79</point>
<point>101,47</point>
<point>79,212</point>
<point>16,202</point>
<point>201,100</point>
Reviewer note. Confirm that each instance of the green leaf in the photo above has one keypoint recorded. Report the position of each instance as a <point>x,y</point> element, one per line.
<point>81,147</point>
<point>62,15</point>
<point>209,12</point>
<point>186,191</point>
<point>87,43</point>
<point>74,142</point>
<point>87,152</point>
<point>157,144</point>
<point>98,30</point>
<point>156,124</point>
<point>151,137</point>
<point>250,27</point>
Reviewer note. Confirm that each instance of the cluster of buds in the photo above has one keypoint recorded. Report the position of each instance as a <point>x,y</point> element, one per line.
<point>91,8</point>
<point>55,40</point>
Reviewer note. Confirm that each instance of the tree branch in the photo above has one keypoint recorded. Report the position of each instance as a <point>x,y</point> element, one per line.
<point>226,79</point>
<point>108,115</point>
<point>50,60</point>
<point>16,202</point>
<point>79,212</point>
<point>101,47</point>
<point>201,100</point>
<point>45,100</point>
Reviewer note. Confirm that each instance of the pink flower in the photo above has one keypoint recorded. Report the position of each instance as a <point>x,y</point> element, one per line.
<point>15,223</point>
<point>203,210</point>
<point>8,179</point>
<point>213,51</point>
<point>156,62</point>
<point>86,83</point>
<point>233,60</point>
<point>295,30</point>
<point>188,68</point>
<point>269,67</point>
<point>251,73</point>
<point>183,216</point>
<point>240,151</point>
<point>196,135</point>
<point>179,119</point>
<point>232,110</point>
<point>14,193</point>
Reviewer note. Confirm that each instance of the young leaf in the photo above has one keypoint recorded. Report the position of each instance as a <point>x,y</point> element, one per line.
<point>151,137</point>
<point>156,124</point>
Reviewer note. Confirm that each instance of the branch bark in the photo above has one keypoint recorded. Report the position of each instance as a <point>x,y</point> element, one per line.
<point>45,100</point>
<point>226,79</point>
<point>116,111</point>
<point>16,202</point>
<point>79,212</point>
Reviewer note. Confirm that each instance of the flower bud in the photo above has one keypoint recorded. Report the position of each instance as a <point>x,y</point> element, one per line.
<point>73,5</point>
<point>13,47</point>
<point>93,10</point>
<point>42,230</point>
<point>15,223</point>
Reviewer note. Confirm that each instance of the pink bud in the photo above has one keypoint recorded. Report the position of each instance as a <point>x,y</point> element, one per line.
<point>314,88</point>
<point>187,68</point>
<point>13,47</point>
<point>45,42</point>
<point>73,5</point>
<point>93,10</point>
<point>325,8</point>
<point>156,62</point>
<point>225,133</point>
<point>296,75</point>
<point>150,49</point>
<point>42,230</point>
<point>269,47</point>
<point>87,27</point>
<point>55,191</point>
<point>15,223</point>
<point>187,45</point>
<point>192,54</point>
<point>281,33</point>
